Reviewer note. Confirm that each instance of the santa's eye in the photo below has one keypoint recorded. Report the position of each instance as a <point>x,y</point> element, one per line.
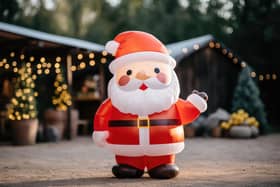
<point>129,72</point>
<point>156,70</point>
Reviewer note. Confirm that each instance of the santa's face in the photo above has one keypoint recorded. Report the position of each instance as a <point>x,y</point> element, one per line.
<point>144,88</point>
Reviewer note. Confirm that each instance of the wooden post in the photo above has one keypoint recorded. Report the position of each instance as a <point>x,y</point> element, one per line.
<point>69,82</point>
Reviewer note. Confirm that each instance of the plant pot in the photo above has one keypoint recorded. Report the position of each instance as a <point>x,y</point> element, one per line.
<point>55,119</point>
<point>58,120</point>
<point>24,131</point>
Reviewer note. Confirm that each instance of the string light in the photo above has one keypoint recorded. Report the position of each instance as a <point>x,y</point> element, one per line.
<point>39,66</point>
<point>39,71</point>
<point>21,56</point>
<point>243,64</point>
<point>211,44</point>
<point>235,60</point>
<point>267,76</point>
<point>261,77</point>
<point>57,70</point>
<point>230,55</point>
<point>14,63</point>
<point>224,51</point>
<point>91,55</point>
<point>4,60</point>
<point>104,53</point>
<point>82,65</point>
<point>217,45</point>
<point>185,50</point>
<point>58,59</point>
<point>28,64</point>
<point>274,77</point>
<point>73,68</point>
<point>195,46</point>
<point>47,71</point>
<point>49,65</point>
<point>34,77</point>
<point>15,69</point>
<point>12,54</point>
<point>103,60</point>
<point>42,59</point>
<point>56,65</point>
<point>80,56</point>
<point>253,74</point>
<point>7,66</point>
<point>91,62</point>
<point>31,59</point>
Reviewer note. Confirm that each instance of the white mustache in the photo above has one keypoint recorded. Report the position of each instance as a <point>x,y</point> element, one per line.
<point>152,83</point>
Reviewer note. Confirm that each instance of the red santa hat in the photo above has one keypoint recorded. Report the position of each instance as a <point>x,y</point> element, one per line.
<point>137,46</point>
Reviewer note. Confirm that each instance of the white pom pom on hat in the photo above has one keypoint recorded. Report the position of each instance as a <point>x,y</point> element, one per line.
<point>112,47</point>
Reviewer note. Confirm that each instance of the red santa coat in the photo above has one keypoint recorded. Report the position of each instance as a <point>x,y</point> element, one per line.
<point>158,134</point>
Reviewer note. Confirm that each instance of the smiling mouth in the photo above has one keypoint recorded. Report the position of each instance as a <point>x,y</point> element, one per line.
<point>143,87</point>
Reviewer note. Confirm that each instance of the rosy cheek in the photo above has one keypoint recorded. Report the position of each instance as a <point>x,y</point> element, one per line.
<point>123,80</point>
<point>162,78</point>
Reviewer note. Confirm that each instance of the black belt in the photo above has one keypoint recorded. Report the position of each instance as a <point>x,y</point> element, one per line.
<point>143,122</point>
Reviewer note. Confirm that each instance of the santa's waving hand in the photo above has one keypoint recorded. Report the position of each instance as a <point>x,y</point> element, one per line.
<point>141,121</point>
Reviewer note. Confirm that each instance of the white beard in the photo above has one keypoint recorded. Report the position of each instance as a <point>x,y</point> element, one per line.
<point>144,103</point>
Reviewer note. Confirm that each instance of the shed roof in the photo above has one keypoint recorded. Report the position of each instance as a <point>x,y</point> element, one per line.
<point>18,32</point>
<point>182,49</point>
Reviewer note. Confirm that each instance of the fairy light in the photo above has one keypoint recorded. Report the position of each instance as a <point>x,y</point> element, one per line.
<point>104,53</point>
<point>12,54</point>
<point>211,44</point>
<point>49,65</point>
<point>274,76</point>
<point>39,71</point>
<point>185,50</point>
<point>15,69</point>
<point>73,68</point>
<point>47,71</point>
<point>103,60</point>
<point>39,66</point>
<point>34,77</point>
<point>21,56</point>
<point>28,64</point>
<point>230,55</point>
<point>224,51</point>
<point>42,59</point>
<point>80,56</point>
<point>4,60</point>
<point>261,77</point>
<point>243,64</point>
<point>217,45</point>
<point>14,63</point>
<point>31,59</point>
<point>7,66</point>
<point>58,59</point>
<point>57,70</point>
<point>267,76</point>
<point>91,62</point>
<point>91,55</point>
<point>56,65</point>
<point>253,74</point>
<point>235,60</point>
<point>82,65</point>
<point>195,46</point>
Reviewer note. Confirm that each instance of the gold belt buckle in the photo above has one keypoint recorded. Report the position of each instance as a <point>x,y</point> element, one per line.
<point>139,119</point>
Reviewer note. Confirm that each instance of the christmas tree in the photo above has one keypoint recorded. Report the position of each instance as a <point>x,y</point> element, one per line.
<point>247,97</point>
<point>62,98</point>
<point>23,103</point>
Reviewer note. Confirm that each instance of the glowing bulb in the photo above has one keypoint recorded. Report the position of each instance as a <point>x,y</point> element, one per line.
<point>31,59</point>
<point>47,71</point>
<point>39,66</point>
<point>184,50</point>
<point>211,44</point>
<point>104,53</point>
<point>103,60</point>
<point>58,59</point>
<point>80,56</point>
<point>39,71</point>
<point>49,65</point>
<point>217,45</point>
<point>28,64</point>
<point>73,68</point>
<point>274,76</point>
<point>91,55</point>
<point>34,77</point>
<point>243,64</point>
<point>15,69</point>
<point>253,74</point>
<point>261,77</point>
<point>12,54</point>
<point>91,62</point>
<point>56,65</point>
<point>230,55</point>
<point>57,70</point>
<point>267,76</point>
<point>14,63</point>
<point>196,46</point>
<point>235,60</point>
<point>224,51</point>
<point>42,59</point>
<point>7,66</point>
<point>21,56</point>
<point>82,65</point>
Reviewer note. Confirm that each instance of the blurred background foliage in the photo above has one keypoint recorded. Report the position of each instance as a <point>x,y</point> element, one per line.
<point>250,27</point>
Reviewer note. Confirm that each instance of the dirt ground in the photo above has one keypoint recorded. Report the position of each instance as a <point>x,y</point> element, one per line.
<point>204,162</point>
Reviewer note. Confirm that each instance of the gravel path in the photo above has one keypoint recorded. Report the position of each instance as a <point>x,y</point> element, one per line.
<point>204,162</point>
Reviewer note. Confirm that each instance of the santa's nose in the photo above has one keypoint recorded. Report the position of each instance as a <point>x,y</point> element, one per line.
<point>141,76</point>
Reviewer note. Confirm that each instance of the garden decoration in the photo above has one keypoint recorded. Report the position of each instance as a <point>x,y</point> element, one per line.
<point>141,121</point>
<point>241,125</point>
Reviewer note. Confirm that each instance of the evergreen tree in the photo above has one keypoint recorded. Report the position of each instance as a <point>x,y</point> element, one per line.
<point>23,103</point>
<point>247,97</point>
<point>62,98</point>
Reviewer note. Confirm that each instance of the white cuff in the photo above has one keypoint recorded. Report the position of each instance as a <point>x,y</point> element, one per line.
<point>99,137</point>
<point>198,102</point>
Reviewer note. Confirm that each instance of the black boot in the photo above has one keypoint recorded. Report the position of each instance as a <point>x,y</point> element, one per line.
<point>126,171</point>
<point>165,171</point>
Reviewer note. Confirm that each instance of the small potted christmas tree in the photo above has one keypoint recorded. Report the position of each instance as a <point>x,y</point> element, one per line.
<point>23,111</point>
<point>61,100</point>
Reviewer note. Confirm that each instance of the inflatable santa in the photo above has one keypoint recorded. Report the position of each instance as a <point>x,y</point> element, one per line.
<point>141,121</point>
